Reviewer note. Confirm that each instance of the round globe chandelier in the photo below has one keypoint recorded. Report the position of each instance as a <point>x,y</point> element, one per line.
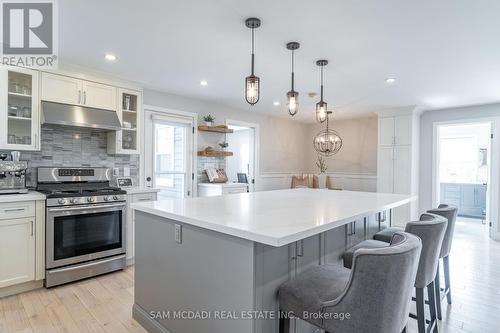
<point>327,142</point>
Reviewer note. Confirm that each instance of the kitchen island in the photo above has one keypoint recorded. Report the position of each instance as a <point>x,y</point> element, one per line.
<point>214,264</point>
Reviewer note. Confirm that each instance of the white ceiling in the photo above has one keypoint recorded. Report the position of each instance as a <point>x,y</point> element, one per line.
<point>444,53</point>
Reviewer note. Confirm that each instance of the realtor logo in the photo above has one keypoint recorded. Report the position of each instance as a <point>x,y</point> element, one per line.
<point>28,33</point>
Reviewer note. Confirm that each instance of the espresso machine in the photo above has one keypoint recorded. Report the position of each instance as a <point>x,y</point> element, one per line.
<point>12,176</point>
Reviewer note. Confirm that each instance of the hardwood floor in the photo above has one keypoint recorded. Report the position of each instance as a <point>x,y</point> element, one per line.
<point>104,304</point>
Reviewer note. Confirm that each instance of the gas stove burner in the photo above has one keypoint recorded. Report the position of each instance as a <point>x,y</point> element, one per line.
<point>78,186</point>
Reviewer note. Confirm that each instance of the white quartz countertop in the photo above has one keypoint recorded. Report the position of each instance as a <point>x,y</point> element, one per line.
<point>137,190</point>
<point>227,185</point>
<point>30,196</point>
<point>275,218</point>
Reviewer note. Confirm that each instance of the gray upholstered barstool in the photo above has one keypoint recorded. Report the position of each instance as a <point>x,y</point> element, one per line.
<point>450,213</point>
<point>430,229</point>
<point>324,294</point>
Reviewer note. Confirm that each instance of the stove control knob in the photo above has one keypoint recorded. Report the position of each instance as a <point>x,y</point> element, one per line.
<point>90,199</point>
<point>107,198</point>
<point>61,201</point>
<point>74,201</point>
<point>115,197</point>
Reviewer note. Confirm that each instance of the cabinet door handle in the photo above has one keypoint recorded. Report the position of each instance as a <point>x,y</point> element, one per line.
<point>32,227</point>
<point>14,210</point>
<point>301,248</point>
<point>84,97</point>
<point>79,96</point>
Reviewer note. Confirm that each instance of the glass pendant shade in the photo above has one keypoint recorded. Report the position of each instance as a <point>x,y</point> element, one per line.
<point>292,102</point>
<point>327,142</point>
<point>321,112</point>
<point>252,89</point>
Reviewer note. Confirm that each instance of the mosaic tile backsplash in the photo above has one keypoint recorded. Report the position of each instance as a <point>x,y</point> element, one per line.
<point>76,147</point>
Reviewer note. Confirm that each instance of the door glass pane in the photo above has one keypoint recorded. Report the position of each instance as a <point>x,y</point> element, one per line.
<point>170,159</point>
<point>19,118</point>
<point>77,235</point>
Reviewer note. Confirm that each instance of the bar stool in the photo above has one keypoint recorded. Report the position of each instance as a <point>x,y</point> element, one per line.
<point>430,229</point>
<point>324,293</point>
<point>450,213</point>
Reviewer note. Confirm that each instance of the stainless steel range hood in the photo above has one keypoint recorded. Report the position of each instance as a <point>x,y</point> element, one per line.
<point>81,116</point>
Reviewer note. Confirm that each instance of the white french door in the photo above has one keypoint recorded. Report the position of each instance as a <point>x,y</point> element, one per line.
<point>169,154</point>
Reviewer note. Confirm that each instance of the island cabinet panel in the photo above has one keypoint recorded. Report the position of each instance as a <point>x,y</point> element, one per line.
<point>203,270</point>
<point>206,271</point>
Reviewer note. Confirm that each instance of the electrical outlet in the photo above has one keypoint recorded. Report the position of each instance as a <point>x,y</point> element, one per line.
<point>178,233</point>
<point>116,172</point>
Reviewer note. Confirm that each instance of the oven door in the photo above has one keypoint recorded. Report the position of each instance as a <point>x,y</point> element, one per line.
<point>81,233</point>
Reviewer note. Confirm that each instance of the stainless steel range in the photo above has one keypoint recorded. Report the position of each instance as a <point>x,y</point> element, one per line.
<point>85,223</point>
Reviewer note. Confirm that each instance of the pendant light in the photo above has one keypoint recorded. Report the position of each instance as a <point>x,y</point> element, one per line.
<point>252,82</point>
<point>292,96</point>
<point>327,142</point>
<point>321,106</point>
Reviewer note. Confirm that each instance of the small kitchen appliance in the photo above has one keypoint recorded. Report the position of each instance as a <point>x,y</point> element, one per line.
<point>13,177</point>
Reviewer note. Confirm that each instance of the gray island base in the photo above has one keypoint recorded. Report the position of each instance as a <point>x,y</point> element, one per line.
<point>191,279</point>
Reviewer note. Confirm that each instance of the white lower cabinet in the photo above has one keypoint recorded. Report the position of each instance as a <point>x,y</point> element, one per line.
<point>133,198</point>
<point>17,251</point>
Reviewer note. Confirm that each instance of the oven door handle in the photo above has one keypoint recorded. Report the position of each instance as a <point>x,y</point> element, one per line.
<point>64,209</point>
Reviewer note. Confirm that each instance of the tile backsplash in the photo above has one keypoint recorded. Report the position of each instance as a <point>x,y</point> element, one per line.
<point>76,147</point>
<point>208,162</point>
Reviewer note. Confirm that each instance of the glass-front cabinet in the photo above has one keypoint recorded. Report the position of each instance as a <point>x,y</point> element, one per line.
<point>126,140</point>
<point>19,109</point>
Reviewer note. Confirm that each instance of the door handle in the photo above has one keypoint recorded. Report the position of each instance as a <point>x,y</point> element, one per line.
<point>31,227</point>
<point>84,97</point>
<point>79,96</point>
<point>301,248</point>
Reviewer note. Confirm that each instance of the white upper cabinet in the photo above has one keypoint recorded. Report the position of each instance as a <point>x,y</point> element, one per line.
<point>68,90</point>
<point>386,131</point>
<point>395,130</point>
<point>61,89</point>
<point>19,111</point>
<point>127,140</point>
<point>403,130</point>
<point>98,95</point>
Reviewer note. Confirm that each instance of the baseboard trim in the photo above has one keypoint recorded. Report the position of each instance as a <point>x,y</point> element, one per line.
<point>145,320</point>
<point>20,288</point>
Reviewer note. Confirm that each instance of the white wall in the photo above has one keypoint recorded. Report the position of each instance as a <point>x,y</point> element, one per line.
<point>426,141</point>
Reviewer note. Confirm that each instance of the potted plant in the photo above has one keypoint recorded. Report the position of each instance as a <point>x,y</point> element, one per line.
<point>209,120</point>
<point>321,164</point>
<point>224,145</point>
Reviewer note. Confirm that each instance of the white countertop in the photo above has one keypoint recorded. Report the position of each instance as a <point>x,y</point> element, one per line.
<point>277,217</point>
<point>30,196</point>
<point>227,185</point>
<point>137,190</point>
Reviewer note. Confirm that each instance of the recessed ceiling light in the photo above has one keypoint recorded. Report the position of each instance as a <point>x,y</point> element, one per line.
<point>110,57</point>
<point>276,103</point>
<point>203,82</point>
<point>390,80</point>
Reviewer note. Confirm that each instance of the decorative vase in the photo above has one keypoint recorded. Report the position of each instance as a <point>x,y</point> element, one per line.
<point>209,123</point>
<point>322,180</point>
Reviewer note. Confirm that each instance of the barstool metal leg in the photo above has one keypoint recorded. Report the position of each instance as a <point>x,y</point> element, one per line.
<point>437,289</point>
<point>447,284</point>
<point>420,300</point>
<point>431,292</point>
<point>284,324</point>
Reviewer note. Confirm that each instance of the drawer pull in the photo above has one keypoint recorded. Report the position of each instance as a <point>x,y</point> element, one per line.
<point>144,199</point>
<point>9,210</point>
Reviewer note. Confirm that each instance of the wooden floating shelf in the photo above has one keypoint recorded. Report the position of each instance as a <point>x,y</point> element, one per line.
<point>215,129</point>
<point>214,153</point>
